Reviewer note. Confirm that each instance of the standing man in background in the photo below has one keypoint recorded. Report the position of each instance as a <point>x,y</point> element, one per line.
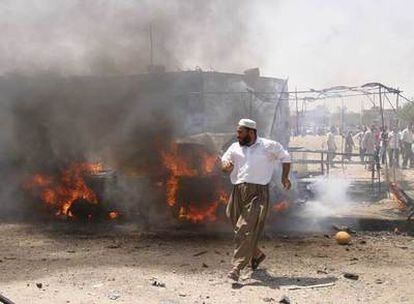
<point>330,141</point>
<point>383,144</point>
<point>368,142</point>
<point>349,145</point>
<point>251,162</point>
<point>393,147</point>
<point>407,142</point>
<point>360,136</point>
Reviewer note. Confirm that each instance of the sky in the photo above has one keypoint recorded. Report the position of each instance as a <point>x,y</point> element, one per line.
<point>314,43</point>
<point>325,43</point>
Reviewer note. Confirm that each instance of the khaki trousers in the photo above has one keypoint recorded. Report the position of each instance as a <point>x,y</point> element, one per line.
<point>247,209</point>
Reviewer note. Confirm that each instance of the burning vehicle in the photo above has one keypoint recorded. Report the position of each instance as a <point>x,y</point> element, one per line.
<point>147,146</point>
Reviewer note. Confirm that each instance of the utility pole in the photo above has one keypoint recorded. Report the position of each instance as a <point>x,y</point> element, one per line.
<point>151,46</point>
<point>297,112</point>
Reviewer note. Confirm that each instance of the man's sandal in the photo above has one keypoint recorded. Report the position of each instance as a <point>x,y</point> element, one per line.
<point>234,274</point>
<point>256,261</point>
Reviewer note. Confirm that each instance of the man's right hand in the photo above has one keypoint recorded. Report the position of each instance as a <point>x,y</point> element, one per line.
<point>227,166</point>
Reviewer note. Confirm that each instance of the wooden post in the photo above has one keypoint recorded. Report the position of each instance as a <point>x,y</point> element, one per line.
<point>151,46</point>
<point>297,112</point>
<point>322,164</point>
<point>327,163</point>
<point>383,127</point>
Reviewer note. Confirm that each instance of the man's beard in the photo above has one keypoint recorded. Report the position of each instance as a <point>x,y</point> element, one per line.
<point>245,141</point>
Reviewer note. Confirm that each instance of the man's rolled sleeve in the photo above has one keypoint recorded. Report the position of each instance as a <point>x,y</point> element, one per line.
<point>227,156</point>
<point>280,153</point>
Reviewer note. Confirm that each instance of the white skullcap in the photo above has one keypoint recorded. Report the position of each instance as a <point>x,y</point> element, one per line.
<point>248,123</point>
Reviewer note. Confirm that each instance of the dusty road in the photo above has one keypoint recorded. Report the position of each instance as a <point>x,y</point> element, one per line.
<point>56,264</point>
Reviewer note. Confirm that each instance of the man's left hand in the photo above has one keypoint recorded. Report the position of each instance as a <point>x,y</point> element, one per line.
<point>286,183</point>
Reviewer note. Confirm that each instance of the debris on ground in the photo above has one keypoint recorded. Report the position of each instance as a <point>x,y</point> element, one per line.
<point>296,287</point>
<point>5,300</point>
<point>344,228</point>
<point>285,300</point>
<point>114,295</point>
<point>158,284</point>
<point>343,238</point>
<point>200,253</point>
<point>351,276</point>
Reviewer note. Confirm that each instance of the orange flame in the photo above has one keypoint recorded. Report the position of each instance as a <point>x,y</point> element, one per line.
<point>61,191</point>
<point>398,196</point>
<point>281,207</point>
<point>113,215</point>
<point>179,167</point>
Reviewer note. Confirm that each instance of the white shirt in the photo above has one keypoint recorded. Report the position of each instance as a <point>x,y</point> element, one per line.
<point>255,164</point>
<point>407,136</point>
<point>394,140</point>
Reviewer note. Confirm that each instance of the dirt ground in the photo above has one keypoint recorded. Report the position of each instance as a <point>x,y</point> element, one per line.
<point>114,263</point>
<point>118,264</point>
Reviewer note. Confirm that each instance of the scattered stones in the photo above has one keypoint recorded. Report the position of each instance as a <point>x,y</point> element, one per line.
<point>285,300</point>
<point>158,284</point>
<point>39,285</point>
<point>268,300</point>
<point>379,281</point>
<point>204,265</point>
<point>362,242</point>
<point>114,295</point>
<point>182,294</point>
<point>351,276</point>
<point>319,271</point>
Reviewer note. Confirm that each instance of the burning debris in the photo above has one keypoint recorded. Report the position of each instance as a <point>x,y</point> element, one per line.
<point>194,186</point>
<point>67,193</point>
<point>281,207</point>
<point>403,201</point>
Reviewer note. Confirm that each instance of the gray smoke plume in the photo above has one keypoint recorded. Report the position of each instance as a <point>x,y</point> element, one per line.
<point>113,37</point>
<point>66,94</point>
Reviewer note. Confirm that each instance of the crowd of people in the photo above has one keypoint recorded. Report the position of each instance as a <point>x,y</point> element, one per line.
<point>376,145</point>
